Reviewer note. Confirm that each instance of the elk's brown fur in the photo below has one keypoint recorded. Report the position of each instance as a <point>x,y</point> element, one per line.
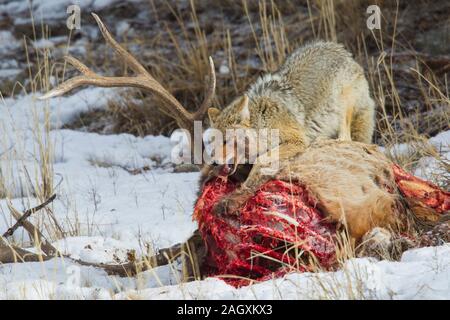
<point>352,181</point>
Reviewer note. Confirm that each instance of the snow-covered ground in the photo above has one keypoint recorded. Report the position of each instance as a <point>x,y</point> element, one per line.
<point>109,211</point>
<point>421,274</point>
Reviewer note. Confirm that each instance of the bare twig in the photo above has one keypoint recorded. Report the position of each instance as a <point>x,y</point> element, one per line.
<point>27,214</point>
<point>35,234</point>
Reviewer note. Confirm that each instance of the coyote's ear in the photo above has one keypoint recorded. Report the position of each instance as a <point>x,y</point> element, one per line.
<point>244,112</point>
<point>213,113</point>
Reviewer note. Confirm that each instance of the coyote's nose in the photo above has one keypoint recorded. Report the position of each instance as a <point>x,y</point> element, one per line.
<point>223,169</point>
<point>215,163</point>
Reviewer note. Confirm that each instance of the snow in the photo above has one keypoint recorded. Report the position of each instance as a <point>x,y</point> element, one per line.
<point>96,189</point>
<point>51,9</point>
<point>429,167</point>
<point>43,44</point>
<point>8,42</point>
<point>441,141</point>
<point>421,274</point>
<point>109,213</point>
<point>9,68</point>
<point>62,110</point>
<point>9,73</point>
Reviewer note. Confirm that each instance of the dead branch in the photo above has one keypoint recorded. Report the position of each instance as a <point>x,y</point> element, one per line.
<point>193,247</point>
<point>27,214</point>
<point>164,257</point>
<point>11,254</point>
<point>35,234</point>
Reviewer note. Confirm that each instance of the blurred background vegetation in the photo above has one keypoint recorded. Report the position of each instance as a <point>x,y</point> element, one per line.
<point>407,61</point>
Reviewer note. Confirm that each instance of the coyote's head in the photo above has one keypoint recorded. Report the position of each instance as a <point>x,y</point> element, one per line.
<point>234,118</point>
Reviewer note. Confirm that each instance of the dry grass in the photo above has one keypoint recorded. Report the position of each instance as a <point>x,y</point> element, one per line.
<point>32,181</point>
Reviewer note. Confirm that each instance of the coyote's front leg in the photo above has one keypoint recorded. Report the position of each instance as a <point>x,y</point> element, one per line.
<point>259,174</point>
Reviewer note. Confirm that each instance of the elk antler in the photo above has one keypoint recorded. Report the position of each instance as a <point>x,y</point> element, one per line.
<point>142,80</point>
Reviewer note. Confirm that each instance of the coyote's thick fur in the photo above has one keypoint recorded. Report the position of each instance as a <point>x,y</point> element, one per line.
<point>320,92</point>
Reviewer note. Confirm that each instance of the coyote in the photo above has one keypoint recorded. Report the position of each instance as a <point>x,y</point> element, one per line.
<point>320,92</point>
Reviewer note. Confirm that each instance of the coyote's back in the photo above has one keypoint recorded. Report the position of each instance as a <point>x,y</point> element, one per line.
<point>324,89</point>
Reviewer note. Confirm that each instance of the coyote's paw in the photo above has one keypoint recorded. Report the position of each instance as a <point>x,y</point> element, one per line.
<point>230,204</point>
<point>221,207</point>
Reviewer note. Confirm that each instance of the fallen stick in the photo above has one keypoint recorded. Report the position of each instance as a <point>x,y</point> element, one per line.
<point>194,246</point>
<point>26,215</point>
<point>164,257</point>
<point>10,254</point>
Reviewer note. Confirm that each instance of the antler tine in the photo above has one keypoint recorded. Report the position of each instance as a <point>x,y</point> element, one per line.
<point>74,82</point>
<point>140,70</point>
<point>132,62</point>
<point>198,115</point>
<point>65,87</point>
<point>80,66</point>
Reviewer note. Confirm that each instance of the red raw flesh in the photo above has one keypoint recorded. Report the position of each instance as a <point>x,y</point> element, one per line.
<point>257,245</point>
<point>421,193</point>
